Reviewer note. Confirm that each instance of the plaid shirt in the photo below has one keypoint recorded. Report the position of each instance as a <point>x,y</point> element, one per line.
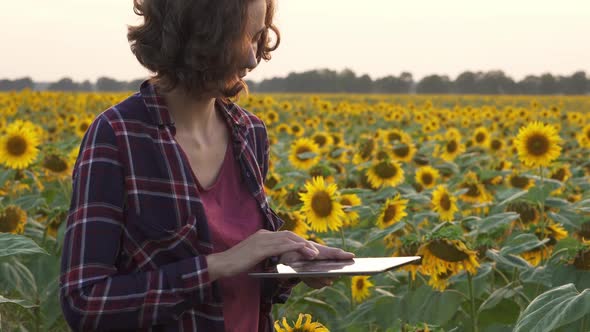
<point>137,236</point>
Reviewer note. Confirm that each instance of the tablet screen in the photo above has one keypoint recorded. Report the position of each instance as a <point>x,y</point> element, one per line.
<point>355,266</point>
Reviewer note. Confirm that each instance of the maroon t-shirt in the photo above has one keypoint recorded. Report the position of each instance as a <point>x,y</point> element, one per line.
<point>233,215</point>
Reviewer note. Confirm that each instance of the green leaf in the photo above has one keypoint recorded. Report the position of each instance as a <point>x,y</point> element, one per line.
<point>306,155</point>
<point>492,222</point>
<point>11,244</point>
<point>522,243</point>
<point>508,259</point>
<point>22,303</point>
<point>504,312</point>
<point>498,295</point>
<point>513,197</point>
<point>16,276</point>
<point>555,308</point>
<point>425,305</point>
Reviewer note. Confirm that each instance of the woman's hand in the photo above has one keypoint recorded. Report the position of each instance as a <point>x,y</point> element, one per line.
<point>255,248</point>
<point>324,252</point>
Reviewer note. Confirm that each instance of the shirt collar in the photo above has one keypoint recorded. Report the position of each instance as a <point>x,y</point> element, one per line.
<point>160,116</point>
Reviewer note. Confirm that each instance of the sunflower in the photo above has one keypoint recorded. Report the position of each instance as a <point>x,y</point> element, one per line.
<point>584,137</point>
<point>496,145</point>
<point>561,174</point>
<point>56,164</point>
<point>81,126</point>
<point>481,137</point>
<point>444,203</point>
<point>13,220</point>
<point>538,144</point>
<point>18,147</point>
<point>528,213</point>
<point>536,255</point>
<point>304,154</point>
<point>442,258</point>
<point>426,176</point>
<point>360,288</point>
<point>283,128</point>
<point>451,148</point>
<point>322,139</point>
<point>321,205</point>
<point>297,130</point>
<point>392,211</point>
<point>385,173</point>
<point>403,151</point>
<point>300,326</point>
<point>291,197</point>
<point>476,192</point>
<point>515,180</point>
<point>366,148</point>
<point>293,222</point>
<point>352,217</point>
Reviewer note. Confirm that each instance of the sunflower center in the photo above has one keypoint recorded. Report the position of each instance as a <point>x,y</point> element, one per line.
<point>385,170</point>
<point>272,182</point>
<point>296,129</point>
<point>401,150</point>
<point>427,178</point>
<point>588,133</point>
<point>392,137</point>
<point>292,198</point>
<point>321,203</point>
<point>16,145</point>
<point>367,148</point>
<point>300,150</point>
<point>382,155</point>
<point>496,145</point>
<point>289,224</point>
<point>360,284</point>
<point>537,145</point>
<point>9,220</point>
<point>473,190</point>
<point>320,140</point>
<point>55,163</point>
<point>519,181</point>
<point>345,201</point>
<point>445,202</point>
<point>480,137</point>
<point>446,251</point>
<point>582,260</point>
<point>390,213</point>
<point>83,126</point>
<point>452,146</point>
<point>559,175</point>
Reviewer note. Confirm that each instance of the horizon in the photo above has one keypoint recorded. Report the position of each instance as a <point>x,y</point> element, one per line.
<point>422,38</point>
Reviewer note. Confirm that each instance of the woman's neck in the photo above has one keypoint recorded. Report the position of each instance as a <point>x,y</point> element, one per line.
<point>193,116</point>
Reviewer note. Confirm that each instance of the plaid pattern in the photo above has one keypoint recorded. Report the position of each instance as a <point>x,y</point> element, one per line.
<point>136,238</point>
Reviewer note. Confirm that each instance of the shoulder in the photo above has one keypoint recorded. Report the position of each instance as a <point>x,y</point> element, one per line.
<point>252,123</point>
<point>130,110</point>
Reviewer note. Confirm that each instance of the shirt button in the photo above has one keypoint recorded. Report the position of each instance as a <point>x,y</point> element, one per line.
<point>248,174</point>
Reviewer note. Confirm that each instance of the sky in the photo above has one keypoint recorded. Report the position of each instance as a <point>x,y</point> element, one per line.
<point>86,39</point>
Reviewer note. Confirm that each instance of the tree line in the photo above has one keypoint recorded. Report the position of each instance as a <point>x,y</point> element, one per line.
<point>493,82</point>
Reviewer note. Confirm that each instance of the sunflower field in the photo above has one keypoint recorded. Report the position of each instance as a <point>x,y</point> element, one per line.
<point>492,192</point>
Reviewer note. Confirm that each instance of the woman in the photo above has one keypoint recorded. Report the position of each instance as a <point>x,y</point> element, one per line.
<point>168,212</point>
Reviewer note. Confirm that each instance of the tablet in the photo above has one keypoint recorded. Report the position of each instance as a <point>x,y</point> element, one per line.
<point>335,268</point>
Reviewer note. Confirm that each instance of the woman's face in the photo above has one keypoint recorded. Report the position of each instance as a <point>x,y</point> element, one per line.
<point>254,27</point>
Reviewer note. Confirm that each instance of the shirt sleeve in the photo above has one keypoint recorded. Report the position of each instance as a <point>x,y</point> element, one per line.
<point>93,294</point>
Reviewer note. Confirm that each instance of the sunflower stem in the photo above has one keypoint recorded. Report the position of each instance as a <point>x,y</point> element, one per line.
<point>342,237</point>
<point>542,204</point>
<point>471,295</point>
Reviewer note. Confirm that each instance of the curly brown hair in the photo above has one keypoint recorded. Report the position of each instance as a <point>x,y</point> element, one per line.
<point>185,43</point>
